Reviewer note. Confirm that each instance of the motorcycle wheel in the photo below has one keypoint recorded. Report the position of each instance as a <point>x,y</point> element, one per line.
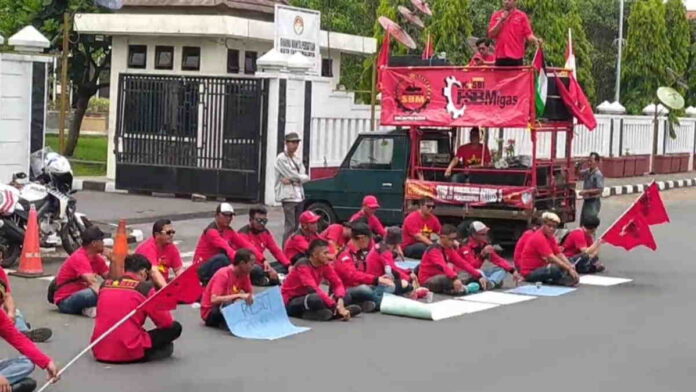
<point>11,255</point>
<point>71,236</point>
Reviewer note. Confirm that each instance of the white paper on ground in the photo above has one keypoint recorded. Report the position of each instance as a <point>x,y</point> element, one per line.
<point>452,308</point>
<point>595,280</point>
<point>494,297</point>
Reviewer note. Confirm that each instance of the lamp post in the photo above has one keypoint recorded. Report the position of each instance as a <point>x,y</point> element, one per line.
<point>618,59</point>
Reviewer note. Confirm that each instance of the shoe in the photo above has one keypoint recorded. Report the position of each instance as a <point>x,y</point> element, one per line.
<point>599,267</point>
<point>318,315</point>
<point>368,306</point>
<point>90,312</point>
<point>159,354</point>
<point>38,335</point>
<point>24,385</point>
<point>354,310</point>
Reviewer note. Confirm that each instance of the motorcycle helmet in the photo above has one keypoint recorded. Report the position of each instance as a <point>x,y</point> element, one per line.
<point>57,164</point>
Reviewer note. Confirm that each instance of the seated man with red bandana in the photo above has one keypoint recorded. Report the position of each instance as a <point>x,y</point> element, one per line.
<point>297,244</point>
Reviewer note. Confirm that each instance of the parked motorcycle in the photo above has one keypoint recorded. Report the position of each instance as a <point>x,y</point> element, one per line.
<point>50,192</point>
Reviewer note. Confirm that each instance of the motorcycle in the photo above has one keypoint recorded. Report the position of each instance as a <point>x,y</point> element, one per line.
<point>50,193</point>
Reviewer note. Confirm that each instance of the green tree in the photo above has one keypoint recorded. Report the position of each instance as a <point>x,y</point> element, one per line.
<point>551,20</point>
<point>480,13</point>
<point>678,36</point>
<point>691,72</point>
<point>647,54</point>
<point>451,26</point>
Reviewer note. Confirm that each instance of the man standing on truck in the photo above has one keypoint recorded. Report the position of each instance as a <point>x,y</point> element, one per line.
<point>592,187</point>
<point>510,28</point>
<point>471,154</point>
<point>418,228</point>
<point>290,175</point>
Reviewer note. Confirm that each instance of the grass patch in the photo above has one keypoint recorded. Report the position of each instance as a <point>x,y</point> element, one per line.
<point>89,148</point>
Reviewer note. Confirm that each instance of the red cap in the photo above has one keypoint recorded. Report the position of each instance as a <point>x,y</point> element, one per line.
<point>309,217</point>
<point>370,201</point>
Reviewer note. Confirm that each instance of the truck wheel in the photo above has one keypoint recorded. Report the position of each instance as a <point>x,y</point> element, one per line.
<point>327,214</point>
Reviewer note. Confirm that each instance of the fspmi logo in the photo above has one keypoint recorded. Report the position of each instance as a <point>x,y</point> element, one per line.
<point>298,25</point>
<point>459,94</point>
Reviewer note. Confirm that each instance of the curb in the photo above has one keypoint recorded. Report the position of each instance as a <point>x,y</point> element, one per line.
<point>110,187</point>
<point>619,190</point>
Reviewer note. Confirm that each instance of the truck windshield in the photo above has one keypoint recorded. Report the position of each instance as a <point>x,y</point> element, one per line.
<point>373,153</point>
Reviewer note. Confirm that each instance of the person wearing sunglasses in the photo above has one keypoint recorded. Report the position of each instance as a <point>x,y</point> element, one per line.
<point>162,253</point>
<point>542,260</point>
<point>418,228</point>
<point>218,244</point>
<point>264,273</point>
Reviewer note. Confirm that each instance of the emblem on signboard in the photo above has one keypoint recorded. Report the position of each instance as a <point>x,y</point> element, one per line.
<point>449,93</point>
<point>298,25</point>
<point>413,93</point>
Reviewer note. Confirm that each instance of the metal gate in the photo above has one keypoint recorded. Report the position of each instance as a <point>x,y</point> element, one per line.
<point>191,135</point>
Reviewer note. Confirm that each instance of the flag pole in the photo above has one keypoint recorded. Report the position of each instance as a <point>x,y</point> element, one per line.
<point>625,212</point>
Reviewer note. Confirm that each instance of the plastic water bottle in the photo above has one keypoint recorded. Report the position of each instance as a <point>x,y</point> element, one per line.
<point>388,271</point>
<point>429,298</point>
<point>538,285</point>
<point>473,287</point>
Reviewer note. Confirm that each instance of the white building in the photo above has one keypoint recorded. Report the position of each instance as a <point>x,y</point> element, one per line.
<point>183,78</point>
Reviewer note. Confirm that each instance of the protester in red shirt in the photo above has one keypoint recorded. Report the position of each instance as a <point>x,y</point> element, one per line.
<point>418,228</point>
<point>15,372</point>
<point>131,342</point>
<point>522,241</point>
<point>264,273</point>
<point>580,247</point>
<point>297,245</point>
<point>7,304</point>
<point>161,252</point>
<point>370,205</point>
<point>510,28</point>
<point>364,288</point>
<point>438,271</point>
<point>469,155</point>
<point>483,54</point>
<point>477,250</point>
<point>229,284</point>
<point>304,297</point>
<point>338,235</point>
<point>76,283</point>
<point>218,243</point>
<point>542,260</point>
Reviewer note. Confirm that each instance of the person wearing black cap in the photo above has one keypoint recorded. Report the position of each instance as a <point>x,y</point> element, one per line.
<point>76,283</point>
<point>290,175</point>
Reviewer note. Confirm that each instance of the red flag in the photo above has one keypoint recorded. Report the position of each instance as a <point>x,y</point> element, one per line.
<point>185,288</point>
<point>576,101</point>
<point>383,57</point>
<point>630,231</point>
<point>650,206</point>
<point>429,50</point>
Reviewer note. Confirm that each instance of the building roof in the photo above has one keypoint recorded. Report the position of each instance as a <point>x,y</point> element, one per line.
<point>264,6</point>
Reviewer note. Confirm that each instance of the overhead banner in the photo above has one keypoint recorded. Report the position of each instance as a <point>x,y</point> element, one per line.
<point>470,194</point>
<point>298,30</point>
<point>457,97</point>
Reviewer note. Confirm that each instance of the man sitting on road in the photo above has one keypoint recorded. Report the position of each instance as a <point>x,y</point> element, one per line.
<point>471,154</point>
<point>438,269</point>
<point>297,245</point>
<point>76,283</point>
<point>7,304</point>
<point>229,284</point>
<point>542,260</point>
<point>218,243</point>
<point>301,292</point>
<point>418,228</point>
<point>131,342</point>
<point>370,205</point>
<point>337,235</point>
<point>380,262</point>
<point>161,252</point>
<point>477,250</point>
<point>580,247</point>
<point>264,272</point>
<point>364,288</point>
<point>522,241</point>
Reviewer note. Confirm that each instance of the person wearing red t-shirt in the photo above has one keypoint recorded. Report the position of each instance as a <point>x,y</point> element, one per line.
<point>304,297</point>
<point>510,28</point>
<point>364,288</point>
<point>370,205</point>
<point>7,304</point>
<point>131,342</point>
<point>580,247</point>
<point>443,271</point>
<point>229,284</point>
<point>218,244</point>
<point>161,252</point>
<point>76,283</point>
<point>264,273</point>
<point>477,250</point>
<point>338,235</point>
<point>471,154</point>
<point>297,245</point>
<point>483,54</point>
<point>542,260</point>
<point>418,228</point>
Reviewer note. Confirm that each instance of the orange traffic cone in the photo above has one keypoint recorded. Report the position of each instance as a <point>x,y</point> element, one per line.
<point>30,265</point>
<point>120,251</point>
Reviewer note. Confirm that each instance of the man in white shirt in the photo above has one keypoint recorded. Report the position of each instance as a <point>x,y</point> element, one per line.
<point>290,175</point>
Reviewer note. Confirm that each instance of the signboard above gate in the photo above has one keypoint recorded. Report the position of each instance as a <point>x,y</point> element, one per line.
<point>298,30</point>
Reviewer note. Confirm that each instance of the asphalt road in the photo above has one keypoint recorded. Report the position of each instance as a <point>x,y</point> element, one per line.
<point>632,337</point>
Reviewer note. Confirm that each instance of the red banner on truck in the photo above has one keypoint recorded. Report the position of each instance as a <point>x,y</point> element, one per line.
<point>471,194</point>
<point>457,97</point>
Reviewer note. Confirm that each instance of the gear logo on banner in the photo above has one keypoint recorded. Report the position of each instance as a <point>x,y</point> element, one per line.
<point>449,93</point>
<point>414,93</point>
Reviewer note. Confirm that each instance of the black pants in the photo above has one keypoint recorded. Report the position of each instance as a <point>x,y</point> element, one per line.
<point>258,274</point>
<point>441,284</point>
<point>415,251</point>
<point>550,274</point>
<point>584,264</point>
<point>209,267</point>
<point>215,318</point>
<point>310,302</point>
<point>162,342</point>
<point>508,62</point>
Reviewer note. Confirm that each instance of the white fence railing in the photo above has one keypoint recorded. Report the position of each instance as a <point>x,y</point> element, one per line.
<point>614,136</point>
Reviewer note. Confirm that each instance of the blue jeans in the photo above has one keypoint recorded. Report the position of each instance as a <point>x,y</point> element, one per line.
<point>16,369</point>
<point>364,293</point>
<point>85,298</point>
<point>495,275</point>
<point>21,322</point>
